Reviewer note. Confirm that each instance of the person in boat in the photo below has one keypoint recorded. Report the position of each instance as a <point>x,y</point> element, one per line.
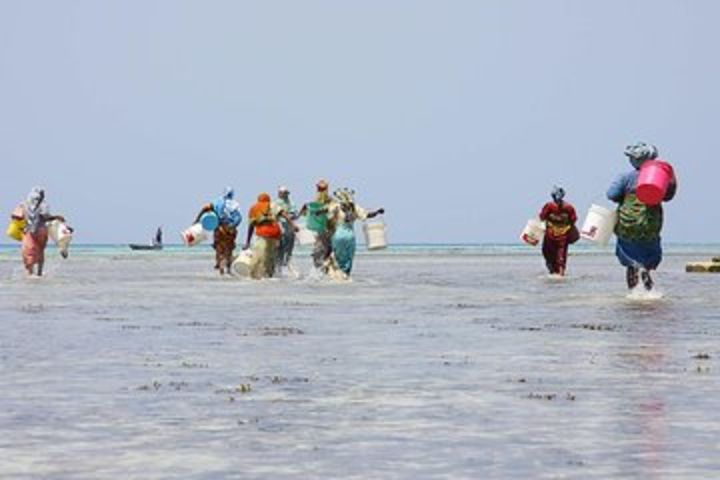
<point>343,215</point>
<point>227,210</point>
<point>287,239</point>
<point>36,213</point>
<point>638,227</point>
<point>264,225</point>
<point>317,221</point>
<point>560,231</point>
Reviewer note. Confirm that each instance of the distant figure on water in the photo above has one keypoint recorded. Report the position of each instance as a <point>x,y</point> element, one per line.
<point>639,225</point>
<point>157,241</point>
<point>229,217</point>
<point>36,214</point>
<point>287,239</point>
<point>559,217</point>
<point>343,215</point>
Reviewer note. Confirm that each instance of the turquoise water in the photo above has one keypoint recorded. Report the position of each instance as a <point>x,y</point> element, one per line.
<point>434,362</point>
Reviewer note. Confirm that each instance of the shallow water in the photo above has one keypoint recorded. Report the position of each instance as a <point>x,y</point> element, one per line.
<point>462,362</point>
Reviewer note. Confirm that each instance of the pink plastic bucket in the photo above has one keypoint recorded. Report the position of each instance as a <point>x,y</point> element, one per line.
<point>653,181</point>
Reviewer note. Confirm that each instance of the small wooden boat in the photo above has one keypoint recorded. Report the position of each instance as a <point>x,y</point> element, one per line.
<point>137,246</point>
<point>155,245</point>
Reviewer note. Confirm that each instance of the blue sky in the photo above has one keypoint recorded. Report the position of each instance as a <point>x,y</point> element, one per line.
<point>458,117</point>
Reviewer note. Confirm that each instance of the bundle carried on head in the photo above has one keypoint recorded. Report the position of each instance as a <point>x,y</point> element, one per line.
<point>640,152</point>
<point>344,196</point>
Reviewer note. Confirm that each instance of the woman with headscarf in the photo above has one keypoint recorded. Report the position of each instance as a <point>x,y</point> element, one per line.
<point>229,218</point>
<point>36,213</point>
<point>287,239</point>
<point>638,228</point>
<point>343,215</point>
<point>263,223</point>
<point>560,231</point>
<point>317,221</point>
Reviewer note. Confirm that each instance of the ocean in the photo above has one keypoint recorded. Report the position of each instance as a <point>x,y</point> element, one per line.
<point>436,361</point>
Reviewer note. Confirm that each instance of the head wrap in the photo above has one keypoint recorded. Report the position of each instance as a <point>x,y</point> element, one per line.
<point>344,196</point>
<point>261,207</point>
<point>557,194</point>
<point>322,192</point>
<point>227,209</point>
<point>283,189</point>
<point>35,208</point>
<point>640,152</point>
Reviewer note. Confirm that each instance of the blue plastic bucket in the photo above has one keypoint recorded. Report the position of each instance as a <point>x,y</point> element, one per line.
<point>209,221</point>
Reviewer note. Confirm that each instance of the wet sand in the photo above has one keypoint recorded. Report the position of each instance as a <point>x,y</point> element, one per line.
<point>428,365</point>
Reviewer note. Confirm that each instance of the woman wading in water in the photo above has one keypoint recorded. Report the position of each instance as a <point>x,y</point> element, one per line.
<point>36,213</point>
<point>229,218</point>
<point>559,217</point>
<point>638,228</point>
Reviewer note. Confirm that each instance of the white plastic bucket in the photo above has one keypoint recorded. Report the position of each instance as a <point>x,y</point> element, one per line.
<point>305,236</point>
<point>375,238</point>
<point>242,263</point>
<point>194,235</point>
<point>533,232</point>
<point>61,234</point>
<point>599,225</point>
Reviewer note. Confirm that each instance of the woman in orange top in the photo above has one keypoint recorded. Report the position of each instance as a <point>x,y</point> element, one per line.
<point>559,217</point>
<point>263,223</point>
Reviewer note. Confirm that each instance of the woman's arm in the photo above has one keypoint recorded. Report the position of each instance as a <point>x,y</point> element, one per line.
<point>250,231</point>
<point>290,220</point>
<point>616,192</point>
<point>544,212</point>
<point>379,211</point>
<point>206,208</point>
<point>51,218</point>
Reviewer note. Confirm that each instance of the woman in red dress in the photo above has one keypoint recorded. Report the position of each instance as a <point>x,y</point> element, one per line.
<point>559,217</point>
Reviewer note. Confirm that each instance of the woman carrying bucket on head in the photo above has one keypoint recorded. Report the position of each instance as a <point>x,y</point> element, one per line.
<point>343,215</point>
<point>223,217</point>
<point>36,214</point>
<point>639,194</point>
<point>559,217</point>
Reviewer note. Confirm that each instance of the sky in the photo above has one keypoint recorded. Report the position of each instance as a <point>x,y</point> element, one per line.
<point>457,117</point>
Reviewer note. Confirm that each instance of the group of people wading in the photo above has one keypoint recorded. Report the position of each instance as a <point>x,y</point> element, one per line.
<point>273,225</point>
<point>638,226</point>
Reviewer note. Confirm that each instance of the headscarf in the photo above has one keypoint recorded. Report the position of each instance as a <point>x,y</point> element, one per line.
<point>557,194</point>
<point>284,202</point>
<point>322,192</point>
<point>640,152</point>
<point>261,207</point>
<point>345,196</point>
<point>35,208</point>
<point>227,209</point>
